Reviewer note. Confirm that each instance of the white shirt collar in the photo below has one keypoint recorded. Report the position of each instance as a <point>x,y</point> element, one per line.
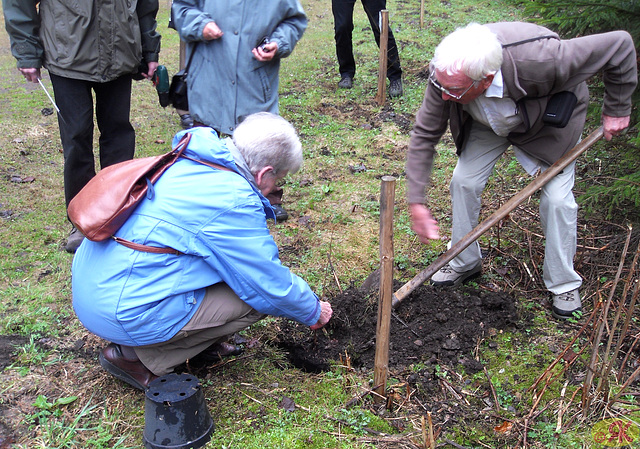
<point>496,89</point>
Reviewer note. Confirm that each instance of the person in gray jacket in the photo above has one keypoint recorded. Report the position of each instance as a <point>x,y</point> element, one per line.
<point>491,84</point>
<point>235,67</point>
<point>86,46</point>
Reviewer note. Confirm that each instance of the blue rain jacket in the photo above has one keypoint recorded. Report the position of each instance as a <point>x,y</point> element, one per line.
<point>218,220</point>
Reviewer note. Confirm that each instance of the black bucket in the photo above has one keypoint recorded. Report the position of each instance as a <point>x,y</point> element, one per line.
<point>176,415</point>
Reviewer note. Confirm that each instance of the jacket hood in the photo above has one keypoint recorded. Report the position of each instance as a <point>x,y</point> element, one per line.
<point>205,145</point>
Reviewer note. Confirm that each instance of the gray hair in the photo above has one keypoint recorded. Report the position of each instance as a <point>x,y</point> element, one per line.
<point>473,50</point>
<point>266,139</point>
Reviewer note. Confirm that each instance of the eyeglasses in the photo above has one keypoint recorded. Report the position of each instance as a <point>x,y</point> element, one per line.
<point>437,85</point>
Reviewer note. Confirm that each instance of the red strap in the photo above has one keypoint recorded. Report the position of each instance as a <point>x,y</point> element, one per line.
<point>146,248</point>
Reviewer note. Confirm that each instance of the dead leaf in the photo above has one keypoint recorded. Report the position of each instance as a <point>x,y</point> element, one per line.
<point>504,427</point>
<point>20,179</point>
<point>569,356</point>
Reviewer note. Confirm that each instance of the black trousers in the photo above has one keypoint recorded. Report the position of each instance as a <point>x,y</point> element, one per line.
<point>117,137</point>
<point>343,24</point>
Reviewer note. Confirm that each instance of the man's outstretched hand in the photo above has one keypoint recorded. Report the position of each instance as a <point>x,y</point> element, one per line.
<point>423,223</point>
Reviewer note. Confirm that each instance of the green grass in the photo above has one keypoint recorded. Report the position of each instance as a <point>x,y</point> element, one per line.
<point>331,240</point>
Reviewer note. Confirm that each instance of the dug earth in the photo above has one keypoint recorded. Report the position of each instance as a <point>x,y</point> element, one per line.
<point>430,326</point>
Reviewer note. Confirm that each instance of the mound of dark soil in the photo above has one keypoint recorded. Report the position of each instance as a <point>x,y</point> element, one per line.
<point>429,325</point>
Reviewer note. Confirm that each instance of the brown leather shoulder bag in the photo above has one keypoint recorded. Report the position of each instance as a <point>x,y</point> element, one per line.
<point>110,197</point>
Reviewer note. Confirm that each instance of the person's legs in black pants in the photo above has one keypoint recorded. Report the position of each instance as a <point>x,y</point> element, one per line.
<point>373,8</point>
<point>113,106</point>
<point>75,100</point>
<point>117,138</point>
<point>343,26</point>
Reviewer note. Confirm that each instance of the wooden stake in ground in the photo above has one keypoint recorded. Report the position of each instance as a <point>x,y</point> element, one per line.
<point>381,367</point>
<point>384,44</point>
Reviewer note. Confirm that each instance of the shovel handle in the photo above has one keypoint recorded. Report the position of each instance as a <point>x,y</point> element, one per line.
<point>498,215</point>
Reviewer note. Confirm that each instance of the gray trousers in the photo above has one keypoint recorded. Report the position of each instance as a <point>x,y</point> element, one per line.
<point>221,314</point>
<point>558,209</point>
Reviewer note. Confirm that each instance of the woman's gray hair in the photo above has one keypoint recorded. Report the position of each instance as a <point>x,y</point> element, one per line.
<point>473,50</point>
<point>266,139</point>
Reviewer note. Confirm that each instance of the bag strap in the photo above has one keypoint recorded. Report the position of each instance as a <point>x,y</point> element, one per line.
<point>207,163</point>
<point>193,50</point>
<point>526,41</point>
<point>146,248</point>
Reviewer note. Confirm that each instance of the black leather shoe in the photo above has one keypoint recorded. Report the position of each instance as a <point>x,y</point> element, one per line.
<point>132,372</point>
<point>223,349</point>
<point>216,352</point>
<point>346,82</point>
<point>281,214</point>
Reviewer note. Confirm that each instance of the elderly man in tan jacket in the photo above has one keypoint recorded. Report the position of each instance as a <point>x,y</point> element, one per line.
<point>492,84</point>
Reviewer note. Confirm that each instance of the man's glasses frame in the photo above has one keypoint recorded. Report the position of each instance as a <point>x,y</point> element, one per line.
<point>437,85</point>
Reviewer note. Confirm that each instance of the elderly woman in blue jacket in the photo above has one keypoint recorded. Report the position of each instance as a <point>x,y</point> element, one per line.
<point>159,310</point>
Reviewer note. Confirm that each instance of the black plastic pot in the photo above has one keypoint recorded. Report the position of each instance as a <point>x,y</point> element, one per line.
<point>176,415</point>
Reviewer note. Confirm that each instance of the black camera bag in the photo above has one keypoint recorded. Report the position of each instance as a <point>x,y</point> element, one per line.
<point>178,88</point>
<point>559,109</point>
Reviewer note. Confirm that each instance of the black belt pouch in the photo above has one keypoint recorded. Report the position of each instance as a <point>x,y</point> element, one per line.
<point>559,109</point>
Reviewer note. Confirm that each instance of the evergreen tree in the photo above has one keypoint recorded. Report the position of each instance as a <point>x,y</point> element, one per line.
<point>619,199</point>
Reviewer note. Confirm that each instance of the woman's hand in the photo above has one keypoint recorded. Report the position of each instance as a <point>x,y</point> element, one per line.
<point>325,315</point>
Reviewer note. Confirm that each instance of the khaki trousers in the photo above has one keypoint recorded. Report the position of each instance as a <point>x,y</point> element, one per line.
<point>558,209</point>
<point>221,314</point>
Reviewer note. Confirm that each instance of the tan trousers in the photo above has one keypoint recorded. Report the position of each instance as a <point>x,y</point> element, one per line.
<point>221,314</point>
<point>558,209</point>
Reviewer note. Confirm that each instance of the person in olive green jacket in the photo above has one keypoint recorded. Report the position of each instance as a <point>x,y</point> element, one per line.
<point>87,46</point>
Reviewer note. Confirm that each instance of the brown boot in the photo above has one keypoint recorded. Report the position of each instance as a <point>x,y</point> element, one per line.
<point>130,371</point>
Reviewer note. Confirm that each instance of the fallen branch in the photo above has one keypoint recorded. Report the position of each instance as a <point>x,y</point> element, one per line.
<point>606,367</point>
<point>431,439</point>
<point>493,391</point>
<point>586,397</point>
<point>454,444</point>
<point>561,407</point>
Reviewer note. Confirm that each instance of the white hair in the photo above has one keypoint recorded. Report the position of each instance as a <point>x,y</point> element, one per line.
<point>473,50</point>
<point>266,139</point>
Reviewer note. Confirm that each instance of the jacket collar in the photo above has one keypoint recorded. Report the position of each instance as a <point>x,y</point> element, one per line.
<point>243,170</point>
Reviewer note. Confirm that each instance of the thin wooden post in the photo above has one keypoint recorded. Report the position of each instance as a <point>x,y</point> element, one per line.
<point>381,367</point>
<point>383,23</point>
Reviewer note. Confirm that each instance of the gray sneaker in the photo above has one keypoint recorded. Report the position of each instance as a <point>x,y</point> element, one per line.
<point>567,305</point>
<point>395,88</point>
<point>186,121</point>
<point>74,240</point>
<point>448,277</point>
<point>346,82</point>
